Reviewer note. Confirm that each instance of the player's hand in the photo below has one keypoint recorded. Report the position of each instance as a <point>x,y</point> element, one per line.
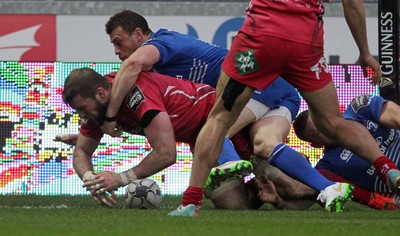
<point>369,60</point>
<point>69,139</point>
<point>266,190</point>
<point>105,198</point>
<point>103,181</point>
<point>111,129</point>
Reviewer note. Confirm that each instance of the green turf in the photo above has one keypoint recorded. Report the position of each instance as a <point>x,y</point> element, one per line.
<point>79,215</point>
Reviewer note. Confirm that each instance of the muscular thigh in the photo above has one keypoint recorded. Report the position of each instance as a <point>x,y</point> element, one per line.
<point>268,132</point>
<point>323,106</point>
<point>273,127</point>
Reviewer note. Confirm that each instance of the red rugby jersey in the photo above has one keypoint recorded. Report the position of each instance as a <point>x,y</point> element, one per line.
<point>186,103</point>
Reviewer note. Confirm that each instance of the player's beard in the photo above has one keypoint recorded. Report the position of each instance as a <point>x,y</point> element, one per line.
<point>101,112</point>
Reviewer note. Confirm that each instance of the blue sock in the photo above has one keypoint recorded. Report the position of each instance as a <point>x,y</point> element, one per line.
<point>296,166</point>
<point>228,152</point>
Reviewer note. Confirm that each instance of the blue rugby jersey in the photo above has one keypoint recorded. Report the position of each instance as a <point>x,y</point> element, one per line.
<point>185,57</point>
<point>343,162</point>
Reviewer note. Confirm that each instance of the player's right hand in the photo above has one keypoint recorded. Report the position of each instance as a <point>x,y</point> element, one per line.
<point>369,60</point>
<point>105,198</point>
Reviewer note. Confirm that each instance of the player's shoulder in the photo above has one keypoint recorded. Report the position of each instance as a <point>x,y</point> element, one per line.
<point>360,101</point>
<point>163,35</point>
<point>366,101</point>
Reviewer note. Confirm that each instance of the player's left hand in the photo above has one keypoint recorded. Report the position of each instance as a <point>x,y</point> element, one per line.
<point>369,60</point>
<point>111,129</point>
<point>103,181</point>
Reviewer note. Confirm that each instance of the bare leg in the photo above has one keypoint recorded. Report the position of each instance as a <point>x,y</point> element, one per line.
<point>210,139</point>
<point>245,118</point>
<point>325,113</point>
<point>267,133</point>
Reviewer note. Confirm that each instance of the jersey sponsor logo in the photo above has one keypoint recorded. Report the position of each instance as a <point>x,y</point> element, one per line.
<point>346,155</point>
<point>371,170</point>
<point>360,102</point>
<point>135,98</point>
<point>371,126</point>
<point>246,62</point>
<point>319,67</point>
<point>386,142</point>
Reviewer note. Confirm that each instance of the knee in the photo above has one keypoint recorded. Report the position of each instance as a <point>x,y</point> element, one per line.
<point>264,149</point>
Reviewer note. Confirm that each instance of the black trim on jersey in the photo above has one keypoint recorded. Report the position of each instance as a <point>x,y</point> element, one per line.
<point>148,117</point>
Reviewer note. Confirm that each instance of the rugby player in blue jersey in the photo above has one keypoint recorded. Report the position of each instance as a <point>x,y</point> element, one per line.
<point>381,117</point>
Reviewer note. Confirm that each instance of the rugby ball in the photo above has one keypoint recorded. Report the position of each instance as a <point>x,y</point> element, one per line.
<point>143,194</point>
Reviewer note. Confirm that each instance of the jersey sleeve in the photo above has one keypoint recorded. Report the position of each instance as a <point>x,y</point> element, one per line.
<point>365,107</point>
<point>111,75</point>
<point>143,98</point>
<point>91,130</point>
<point>167,50</point>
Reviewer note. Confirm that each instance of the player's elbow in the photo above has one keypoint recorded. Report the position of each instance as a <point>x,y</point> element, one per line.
<point>169,158</point>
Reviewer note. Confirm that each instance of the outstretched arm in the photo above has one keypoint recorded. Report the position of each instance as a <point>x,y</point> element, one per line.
<point>354,13</point>
<point>142,59</point>
<point>83,152</point>
<point>83,166</point>
<point>160,135</point>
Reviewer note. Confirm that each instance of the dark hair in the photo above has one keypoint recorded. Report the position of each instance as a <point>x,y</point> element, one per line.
<point>129,21</point>
<point>300,123</point>
<point>83,82</point>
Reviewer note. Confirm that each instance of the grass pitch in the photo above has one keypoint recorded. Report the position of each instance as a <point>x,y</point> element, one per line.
<point>79,215</point>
